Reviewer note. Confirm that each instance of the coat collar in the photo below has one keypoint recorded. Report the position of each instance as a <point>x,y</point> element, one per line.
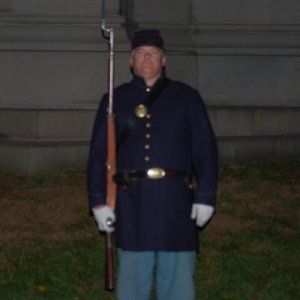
<point>139,81</point>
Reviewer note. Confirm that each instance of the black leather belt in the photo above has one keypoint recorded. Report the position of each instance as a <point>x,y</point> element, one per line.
<point>123,177</point>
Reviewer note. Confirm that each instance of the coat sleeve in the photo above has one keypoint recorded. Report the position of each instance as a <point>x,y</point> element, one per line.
<point>205,153</point>
<point>96,168</point>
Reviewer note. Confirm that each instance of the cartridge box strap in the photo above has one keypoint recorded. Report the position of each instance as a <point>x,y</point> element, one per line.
<point>131,122</point>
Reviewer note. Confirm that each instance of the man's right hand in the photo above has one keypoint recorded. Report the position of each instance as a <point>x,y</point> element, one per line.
<point>104,217</point>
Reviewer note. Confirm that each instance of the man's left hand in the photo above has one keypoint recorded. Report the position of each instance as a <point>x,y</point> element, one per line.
<point>202,213</point>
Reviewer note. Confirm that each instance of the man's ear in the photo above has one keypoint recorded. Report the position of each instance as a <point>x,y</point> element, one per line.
<point>164,60</point>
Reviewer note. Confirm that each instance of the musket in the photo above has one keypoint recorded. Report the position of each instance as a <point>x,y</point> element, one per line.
<point>111,157</point>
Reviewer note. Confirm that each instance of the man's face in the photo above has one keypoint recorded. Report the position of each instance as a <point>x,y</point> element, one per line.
<point>147,62</point>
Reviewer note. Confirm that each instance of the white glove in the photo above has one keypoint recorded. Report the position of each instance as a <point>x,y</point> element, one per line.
<point>202,213</point>
<point>104,217</point>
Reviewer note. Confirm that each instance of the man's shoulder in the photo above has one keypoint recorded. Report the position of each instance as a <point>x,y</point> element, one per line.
<point>180,88</point>
<point>122,87</point>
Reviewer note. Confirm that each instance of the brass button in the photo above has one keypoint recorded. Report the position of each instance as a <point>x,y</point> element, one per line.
<point>148,116</point>
<point>147,146</point>
<point>148,135</point>
<point>148,89</point>
<point>148,125</point>
<point>146,158</point>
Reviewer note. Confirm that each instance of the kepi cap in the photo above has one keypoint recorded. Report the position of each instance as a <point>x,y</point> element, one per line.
<point>147,38</point>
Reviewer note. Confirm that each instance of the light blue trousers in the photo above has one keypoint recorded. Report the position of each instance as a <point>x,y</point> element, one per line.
<point>173,271</point>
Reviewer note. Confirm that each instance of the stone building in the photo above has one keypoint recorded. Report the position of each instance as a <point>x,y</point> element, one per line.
<point>243,57</point>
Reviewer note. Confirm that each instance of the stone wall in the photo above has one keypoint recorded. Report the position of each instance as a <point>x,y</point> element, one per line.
<point>53,72</point>
<point>242,56</point>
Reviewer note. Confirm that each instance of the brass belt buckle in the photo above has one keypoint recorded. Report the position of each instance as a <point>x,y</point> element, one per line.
<point>156,173</point>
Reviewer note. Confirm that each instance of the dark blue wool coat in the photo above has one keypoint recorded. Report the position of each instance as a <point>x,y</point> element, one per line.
<point>176,135</point>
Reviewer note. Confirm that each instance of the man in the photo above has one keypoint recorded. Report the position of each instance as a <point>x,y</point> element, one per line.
<point>157,210</point>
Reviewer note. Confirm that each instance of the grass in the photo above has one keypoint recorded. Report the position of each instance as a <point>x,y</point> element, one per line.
<point>50,248</point>
<point>260,263</point>
<point>61,271</point>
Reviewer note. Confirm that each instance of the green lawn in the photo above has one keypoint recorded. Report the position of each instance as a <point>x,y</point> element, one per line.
<point>50,248</point>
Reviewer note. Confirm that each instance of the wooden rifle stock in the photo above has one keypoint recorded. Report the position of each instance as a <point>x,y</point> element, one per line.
<point>111,198</point>
<point>109,263</point>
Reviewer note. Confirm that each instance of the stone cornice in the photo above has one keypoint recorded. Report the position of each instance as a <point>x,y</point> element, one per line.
<point>224,39</point>
<point>58,33</point>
